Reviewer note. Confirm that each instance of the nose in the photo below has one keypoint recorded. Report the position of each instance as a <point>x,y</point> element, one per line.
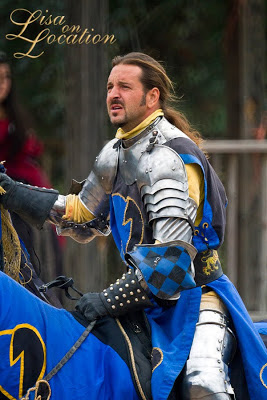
<point>113,93</point>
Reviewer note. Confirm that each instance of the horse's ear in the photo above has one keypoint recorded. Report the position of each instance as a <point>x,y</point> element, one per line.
<point>42,391</point>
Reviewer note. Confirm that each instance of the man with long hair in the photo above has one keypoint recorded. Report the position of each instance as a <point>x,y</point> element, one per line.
<point>154,188</point>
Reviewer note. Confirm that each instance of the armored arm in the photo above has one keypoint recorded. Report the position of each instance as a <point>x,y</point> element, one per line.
<point>37,205</point>
<point>167,266</point>
<point>93,194</point>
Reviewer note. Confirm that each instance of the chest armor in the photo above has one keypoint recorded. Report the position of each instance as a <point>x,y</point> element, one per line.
<point>128,218</point>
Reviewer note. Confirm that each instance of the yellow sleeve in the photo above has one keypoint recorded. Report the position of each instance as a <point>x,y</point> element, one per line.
<point>196,187</point>
<point>76,211</point>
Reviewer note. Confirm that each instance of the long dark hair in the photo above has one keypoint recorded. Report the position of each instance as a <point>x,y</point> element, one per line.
<point>18,121</point>
<point>154,75</point>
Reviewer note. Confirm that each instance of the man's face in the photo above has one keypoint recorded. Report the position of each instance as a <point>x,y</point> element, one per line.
<point>126,99</point>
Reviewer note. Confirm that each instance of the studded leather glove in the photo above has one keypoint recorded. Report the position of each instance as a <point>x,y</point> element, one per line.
<point>32,203</point>
<point>125,295</point>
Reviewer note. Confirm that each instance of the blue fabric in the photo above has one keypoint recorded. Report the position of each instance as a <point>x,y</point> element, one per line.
<point>173,328</point>
<point>95,371</point>
<point>173,331</point>
<point>166,269</point>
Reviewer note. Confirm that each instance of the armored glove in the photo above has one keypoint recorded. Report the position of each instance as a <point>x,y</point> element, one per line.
<point>32,203</point>
<point>125,295</point>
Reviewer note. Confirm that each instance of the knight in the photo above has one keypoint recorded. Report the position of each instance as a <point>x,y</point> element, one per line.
<point>154,189</point>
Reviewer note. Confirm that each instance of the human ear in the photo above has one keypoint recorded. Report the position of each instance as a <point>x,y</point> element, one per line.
<point>153,97</point>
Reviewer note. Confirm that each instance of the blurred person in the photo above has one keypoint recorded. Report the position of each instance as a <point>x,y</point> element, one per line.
<point>20,152</point>
<point>154,188</point>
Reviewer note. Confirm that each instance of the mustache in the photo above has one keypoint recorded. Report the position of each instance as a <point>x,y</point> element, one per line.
<point>114,101</point>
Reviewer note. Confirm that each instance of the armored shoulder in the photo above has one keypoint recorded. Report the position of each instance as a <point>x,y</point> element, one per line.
<point>105,166</point>
<point>163,184</point>
<point>99,183</point>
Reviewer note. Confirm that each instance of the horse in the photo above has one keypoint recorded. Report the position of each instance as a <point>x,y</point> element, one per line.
<point>40,343</point>
<point>50,353</point>
<point>35,337</point>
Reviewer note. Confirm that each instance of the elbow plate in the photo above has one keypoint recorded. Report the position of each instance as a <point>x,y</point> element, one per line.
<point>167,268</point>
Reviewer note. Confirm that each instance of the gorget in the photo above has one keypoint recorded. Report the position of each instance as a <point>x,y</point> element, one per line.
<point>159,132</point>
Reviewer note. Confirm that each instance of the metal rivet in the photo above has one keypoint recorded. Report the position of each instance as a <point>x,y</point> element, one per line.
<point>131,293</point>
<point>136,299</point>
<point>120,289</point>
<point>143,298</point>
<point>132,281</point>
<point>127,285</point>
<point>138,291</point>
<point>219,361</point>
<point>146,171</point>
<point>117,297</point>
<point>150,169</point>
<point>221,370</point>
<point>128,301</point>
<point>121,304</point>
<point>111,288</point>
<point>105,294</point>
<point>108,300</point>
<point>173,168</point>
<point>129,273</point>
<point>123,278</point>
<point>124,295</point>
<point>113,307</point>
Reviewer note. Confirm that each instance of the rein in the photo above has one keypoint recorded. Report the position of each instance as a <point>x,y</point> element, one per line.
<point>59,365</point>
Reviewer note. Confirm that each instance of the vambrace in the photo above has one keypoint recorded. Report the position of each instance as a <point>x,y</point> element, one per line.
<point>31,203</point>
<point>166,268</point>
<point>213,348</point>
<point>124,296</point>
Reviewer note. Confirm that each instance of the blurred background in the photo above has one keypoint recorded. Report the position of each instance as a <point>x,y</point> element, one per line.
<point>215,52</point>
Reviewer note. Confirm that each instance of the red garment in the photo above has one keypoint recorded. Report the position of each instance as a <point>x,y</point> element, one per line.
<point>24,165</point>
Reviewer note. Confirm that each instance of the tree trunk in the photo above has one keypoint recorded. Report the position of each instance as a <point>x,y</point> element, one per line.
<point>86,132</point>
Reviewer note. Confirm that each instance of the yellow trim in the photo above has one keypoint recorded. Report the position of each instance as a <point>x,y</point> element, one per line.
<point>161,359</point>
<point>261,372</point>
<point>132,359</point>
<point>120,134</point>
<point>125,222</point>
<point>2,390</point>
<point>13,361</point>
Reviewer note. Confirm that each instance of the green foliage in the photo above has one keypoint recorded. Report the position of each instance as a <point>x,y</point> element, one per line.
<point>188,37</point>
